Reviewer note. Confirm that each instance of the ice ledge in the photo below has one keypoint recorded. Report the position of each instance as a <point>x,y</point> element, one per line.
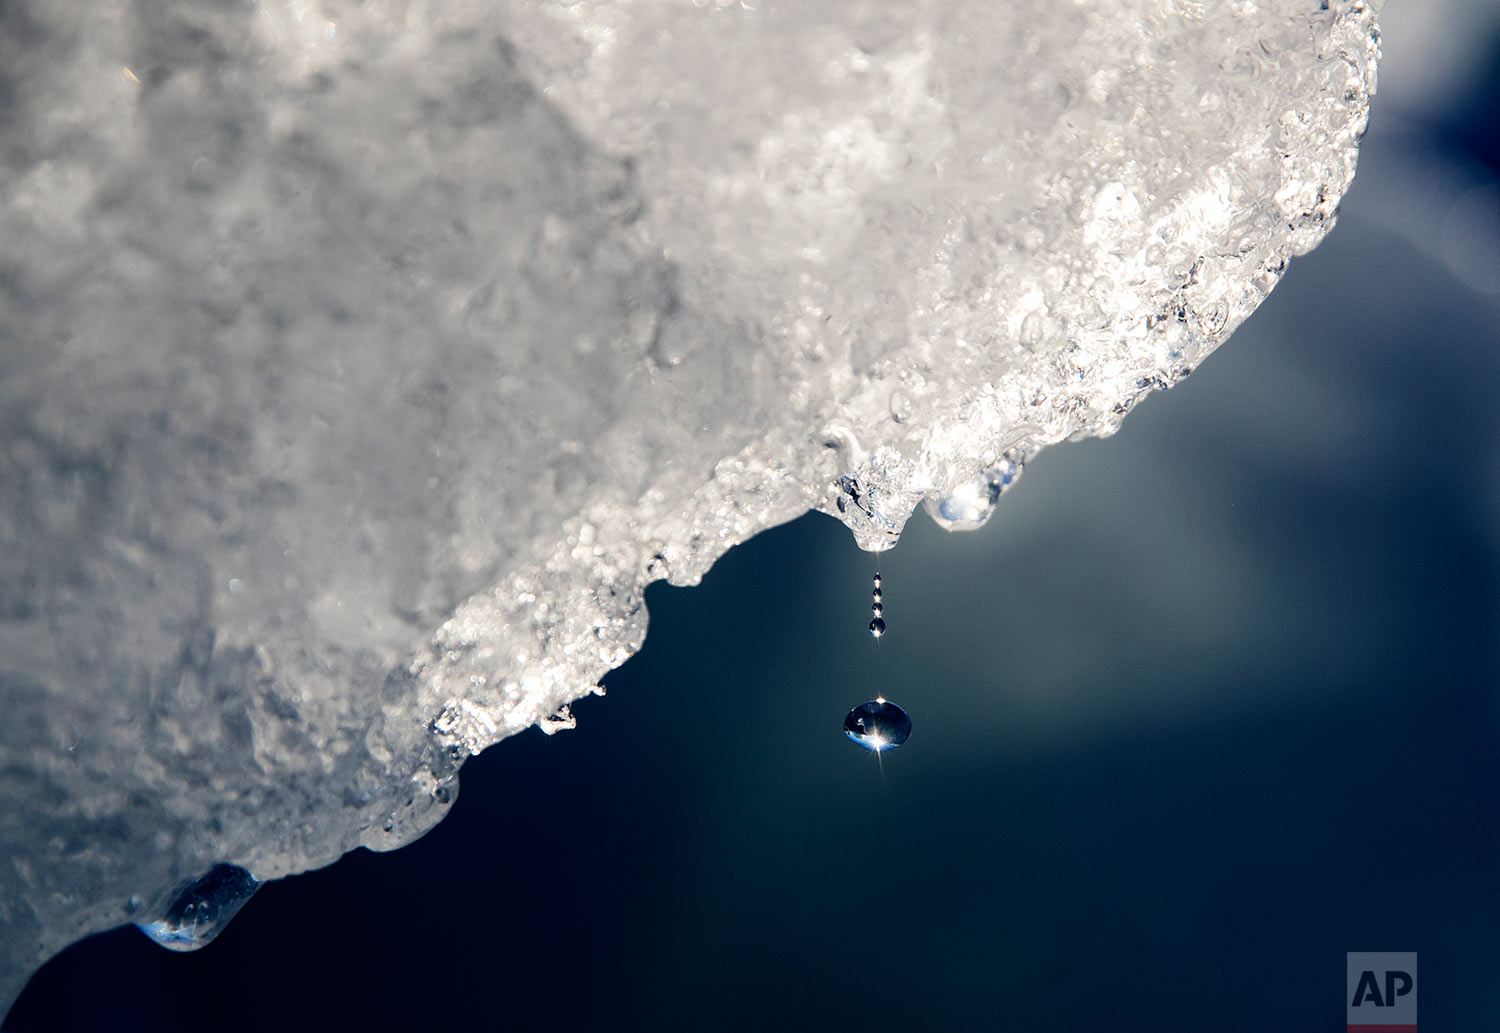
<point>961,254</point>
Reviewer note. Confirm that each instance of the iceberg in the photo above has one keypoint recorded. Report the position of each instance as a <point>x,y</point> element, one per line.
<point>365,361</point>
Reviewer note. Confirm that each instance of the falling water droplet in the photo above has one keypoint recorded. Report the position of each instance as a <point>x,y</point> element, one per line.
<point>878,725</point>
<point>203,909</point>
<point>877,627</point>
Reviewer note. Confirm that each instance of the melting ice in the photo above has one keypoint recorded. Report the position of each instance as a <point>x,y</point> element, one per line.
<point>367,360</point>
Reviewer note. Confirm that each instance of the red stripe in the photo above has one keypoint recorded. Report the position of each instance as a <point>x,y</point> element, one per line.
<point>1382,1029</point>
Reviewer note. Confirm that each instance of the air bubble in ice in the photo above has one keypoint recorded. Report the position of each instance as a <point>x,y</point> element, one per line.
<point>201,911</point>
<point>878,725</point>
<point>1033,329</point>
<point>900,405</point>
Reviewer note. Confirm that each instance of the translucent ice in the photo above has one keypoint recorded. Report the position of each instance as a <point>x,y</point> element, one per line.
<point>365,360</point>
<point>200,911</point>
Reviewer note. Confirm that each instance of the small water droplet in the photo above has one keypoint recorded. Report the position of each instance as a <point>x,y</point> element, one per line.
<point>879,610</point>
<point>877,627</point>
<point>203,909</point>
<point>877,596</point>
<point>878,725</point>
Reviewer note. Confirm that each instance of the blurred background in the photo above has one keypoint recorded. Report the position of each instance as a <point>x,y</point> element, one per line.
<point>1202,708</point>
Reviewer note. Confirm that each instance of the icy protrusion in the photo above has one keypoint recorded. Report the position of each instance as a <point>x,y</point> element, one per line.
<point>202,910</point>
<point>367,359</point>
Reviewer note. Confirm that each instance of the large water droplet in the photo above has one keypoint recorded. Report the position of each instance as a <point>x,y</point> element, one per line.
<point>203,909</point>
<point>878,725</point>
<point>877,627</point>
<point>970,505</point>
<point>966,509</point>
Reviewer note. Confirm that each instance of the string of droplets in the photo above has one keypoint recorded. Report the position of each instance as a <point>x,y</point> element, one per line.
<point>878,725</point>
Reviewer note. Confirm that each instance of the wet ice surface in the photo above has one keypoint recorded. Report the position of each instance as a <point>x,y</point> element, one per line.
<point>364,364</point>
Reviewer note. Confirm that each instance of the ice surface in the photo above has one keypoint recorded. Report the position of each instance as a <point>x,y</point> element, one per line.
<point>363,362</point>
